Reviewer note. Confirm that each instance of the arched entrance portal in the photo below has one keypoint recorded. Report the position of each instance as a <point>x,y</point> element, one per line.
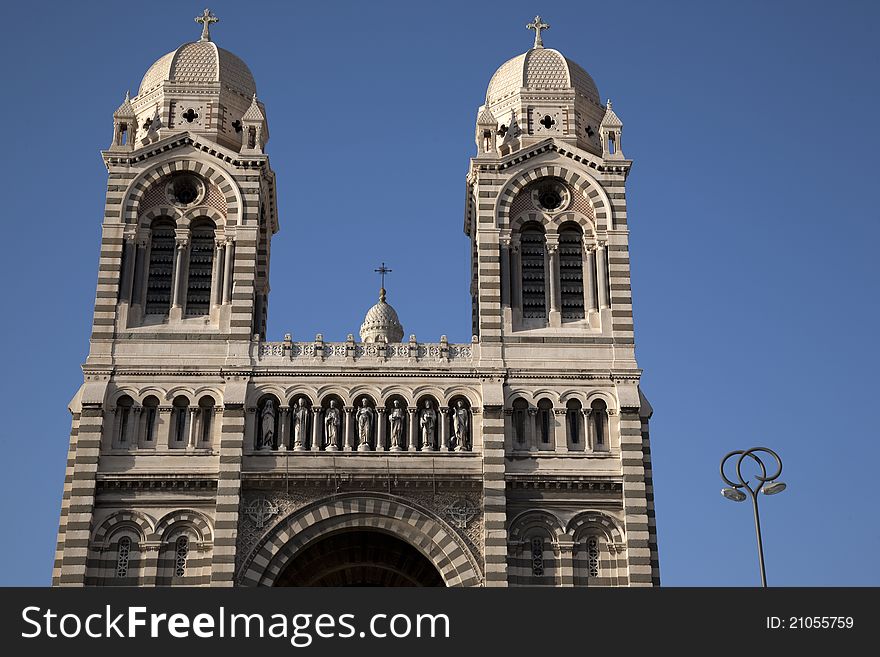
<point>359,558</point>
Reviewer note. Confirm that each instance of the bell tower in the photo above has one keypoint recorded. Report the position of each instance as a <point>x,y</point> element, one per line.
<point>552,305</point>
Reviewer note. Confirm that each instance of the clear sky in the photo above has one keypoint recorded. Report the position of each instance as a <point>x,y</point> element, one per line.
<point>752,209</point>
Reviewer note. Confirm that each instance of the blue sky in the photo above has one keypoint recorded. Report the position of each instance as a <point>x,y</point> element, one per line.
<point>752,210</point>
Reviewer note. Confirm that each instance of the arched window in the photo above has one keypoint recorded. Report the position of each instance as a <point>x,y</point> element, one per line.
<point>592,556</point>
<point>161,268</point>
<point>571,271</point>
<point>201,262</point>
<point>573,418</point>
<point>124,420</point>
<point>520,413</point>
<point>179,412</point>
<point>123,552</point>
<point>538,556</point>
<point>206,418</point>
<point>150,413</point>
<point>545,419</point>
<point>181,553</point>
<point>599,418</point>
<point>532,248</point>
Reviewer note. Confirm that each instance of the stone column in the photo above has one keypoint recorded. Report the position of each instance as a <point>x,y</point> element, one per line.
<point>444,428</point>
<point>348,441</point>
<point>163,428</point>
<point>191,427</point>
<point>552,266</point>
<point>381,430</point>
<point>535,434</point>
<point>250,428</point>
<point>134,427</point>
<point>284,421</point>
<point>589,438</point>
<point>229,256</point>
<point>560,430</point>
<point>216,271</point>
<point>589,266</point>
<point>602,269</point>
<point>317,425</point>
<point>150,558</point>
<point>566,562</point>
<point>139,279</point>
<point>413,441</point>
<point>504,252</point>
<point>179,259</point>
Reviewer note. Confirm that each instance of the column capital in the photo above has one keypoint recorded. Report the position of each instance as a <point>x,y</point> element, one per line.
<point>533,411</point>
<point>444,411</point>
<point>348,409</point>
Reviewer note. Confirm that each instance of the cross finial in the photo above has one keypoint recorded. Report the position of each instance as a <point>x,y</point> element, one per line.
<point>537,25</point>
<point>206,19</point>
<point>382,271</point>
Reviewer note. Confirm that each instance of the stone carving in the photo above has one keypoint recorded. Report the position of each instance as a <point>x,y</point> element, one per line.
<point>331,427</point>
<point>461,422</point>
<point>300,425</point>
<point>260,510</point>
<point>268,425</point>
<point>428,423</point>
<point>460,512</point>
<point>396,420</point>
<point>364,420</point>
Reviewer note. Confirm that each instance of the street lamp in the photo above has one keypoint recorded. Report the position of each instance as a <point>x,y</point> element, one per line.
<point>766,485</point>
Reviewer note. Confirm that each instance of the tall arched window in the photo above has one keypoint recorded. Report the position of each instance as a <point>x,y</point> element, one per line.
<point>201,262</point>
<point>161,268</point>
<point>599,418</point>
<point>179,412</point>
<point>545,421</point>
<point>150,415</point>
<point>592,556</point>
<point>123,552</point>
<point>181,553</point>
<point>520,413</point>
<point>538,556</point>
<point>532,248</point>
<point>573,418</point>
<point>124,419</point>
<point>571,271</point>
<point>206,418</point>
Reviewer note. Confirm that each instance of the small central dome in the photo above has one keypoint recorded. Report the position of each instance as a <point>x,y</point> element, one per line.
<point>538,69</point>
<point>381,323</point>
<point>198,63</point>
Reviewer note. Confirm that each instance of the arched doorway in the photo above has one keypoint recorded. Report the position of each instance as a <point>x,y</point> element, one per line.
<point>359,558</point>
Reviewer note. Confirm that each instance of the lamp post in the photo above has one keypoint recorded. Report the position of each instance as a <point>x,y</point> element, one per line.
<point>766,484</point>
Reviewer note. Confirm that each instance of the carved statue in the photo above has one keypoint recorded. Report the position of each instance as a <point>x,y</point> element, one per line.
<point>331,426</point>
<point>364,419</point>
<point>461,420</point>
<point>396,419</point>
<point>428,422</point>
<point>267,439</point>
<point>300,424</point>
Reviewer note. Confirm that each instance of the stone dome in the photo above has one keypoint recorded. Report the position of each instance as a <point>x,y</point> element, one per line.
<point>381,322</point>
<point>540,69</point>
<point>199,63</point>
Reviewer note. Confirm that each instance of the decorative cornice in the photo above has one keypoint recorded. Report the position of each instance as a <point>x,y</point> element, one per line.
<point>179,140</point>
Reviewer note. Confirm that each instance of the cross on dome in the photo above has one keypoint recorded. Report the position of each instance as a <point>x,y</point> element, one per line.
<point>382,270</point>
<point>537,25</point>
<point>206,19</point>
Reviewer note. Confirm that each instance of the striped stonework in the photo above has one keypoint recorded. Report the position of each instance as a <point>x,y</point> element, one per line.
<point>494,497</point>
<point>65,499</point>
<point>228,495</point>
<point>416,525</point>
<point>635,504</point>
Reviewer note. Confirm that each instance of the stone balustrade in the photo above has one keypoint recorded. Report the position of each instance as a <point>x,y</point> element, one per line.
<point>411,351</point>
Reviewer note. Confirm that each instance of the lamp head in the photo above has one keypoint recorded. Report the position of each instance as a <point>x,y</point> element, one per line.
<point>773,488</point>
<point>733,494</point>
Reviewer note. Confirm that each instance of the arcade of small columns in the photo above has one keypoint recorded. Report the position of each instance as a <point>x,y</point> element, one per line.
<point>138,246</point>
<point>594,266</point>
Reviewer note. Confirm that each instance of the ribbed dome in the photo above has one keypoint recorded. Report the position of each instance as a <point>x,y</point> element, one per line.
<point>381,321</point>
<point>540,68</point>
<point>200,62</point>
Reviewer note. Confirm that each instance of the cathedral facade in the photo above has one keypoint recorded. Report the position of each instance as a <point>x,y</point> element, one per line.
<point>203,454</point>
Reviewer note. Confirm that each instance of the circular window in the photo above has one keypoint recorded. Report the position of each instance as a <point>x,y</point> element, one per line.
<point>550,196</point>
<point>184,189</point>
